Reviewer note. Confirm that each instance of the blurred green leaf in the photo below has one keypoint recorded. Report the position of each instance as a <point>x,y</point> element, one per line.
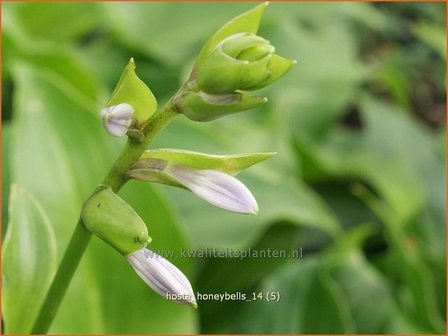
<point>29,261</point>
<point>144,27</point>
<point>234,275</point>
<point>6,173</point>
<point>39,20</point>
<point>310,301</point>
<point>433,35</point>
<point>370,298</point>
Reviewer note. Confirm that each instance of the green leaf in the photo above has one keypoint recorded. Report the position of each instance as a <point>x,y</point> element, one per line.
<point>241,274</point>
<point>433,35</point>
<point>6,174</point>
<point>310,302</point>
<point>64,65</point>
<point>361,282</point>
<point>39,21</point>
<point>130,89</point>
<point>29,261</point>
<point>247,22</point>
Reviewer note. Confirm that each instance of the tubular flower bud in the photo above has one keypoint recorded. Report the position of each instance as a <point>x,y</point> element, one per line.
<point>217,188</point>
<point>117,119</point>
<point>162,276</point>
<point>243,61</point>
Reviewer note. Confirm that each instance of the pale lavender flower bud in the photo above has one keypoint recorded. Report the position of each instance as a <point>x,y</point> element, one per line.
<point>117,119</point>
<point>162,276</point>
<point>217,188</point>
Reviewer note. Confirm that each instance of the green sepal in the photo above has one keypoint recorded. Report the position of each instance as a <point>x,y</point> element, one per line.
<point>109,217</point>
<point>153,163</point>
<point>131,89</point>
<point>222,74</point>
<point>278,67</point>
<point>200,106</point>
<point>236,44</point>
<point>247,22</point>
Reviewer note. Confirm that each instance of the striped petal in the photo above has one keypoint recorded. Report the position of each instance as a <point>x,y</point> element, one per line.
<point>117,119</point>
<point>162,276</point>
<point>217,188</point>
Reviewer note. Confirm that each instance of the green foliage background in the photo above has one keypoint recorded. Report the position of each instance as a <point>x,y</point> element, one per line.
<point>358,182</point>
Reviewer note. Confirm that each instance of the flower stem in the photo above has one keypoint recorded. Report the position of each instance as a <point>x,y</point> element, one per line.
<point>76,247</point>
<point>81,236</point>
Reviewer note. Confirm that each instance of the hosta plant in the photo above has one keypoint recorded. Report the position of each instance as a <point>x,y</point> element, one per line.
<point>233,62</point>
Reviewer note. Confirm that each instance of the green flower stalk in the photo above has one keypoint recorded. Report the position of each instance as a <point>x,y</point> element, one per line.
<point>233,61</point>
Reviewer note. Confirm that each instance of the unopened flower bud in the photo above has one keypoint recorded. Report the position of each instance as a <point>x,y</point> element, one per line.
<point>117,119</point>
<point>243,61</point>
<point>162,276</point>
<point>218,188</point>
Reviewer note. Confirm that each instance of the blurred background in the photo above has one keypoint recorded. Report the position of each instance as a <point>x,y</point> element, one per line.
<point>357,186</point>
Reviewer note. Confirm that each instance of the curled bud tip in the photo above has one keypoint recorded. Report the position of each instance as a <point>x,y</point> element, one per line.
<point>217,188</point>
<point>162,276</point>
<point>117,119</point>
<point>243,61</point>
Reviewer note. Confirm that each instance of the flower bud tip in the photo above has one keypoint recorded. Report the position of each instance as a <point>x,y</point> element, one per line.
<point>117,119</point>
<point>162,276</point>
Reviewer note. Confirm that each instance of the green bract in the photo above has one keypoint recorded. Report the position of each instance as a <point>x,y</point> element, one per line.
<point>153,163</point>
<point>131,90</point>
<point>200,106</point>
<point>110,218</point>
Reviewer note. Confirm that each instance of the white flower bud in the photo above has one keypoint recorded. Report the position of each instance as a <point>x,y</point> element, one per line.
<point>162,276</point>
<point>216,187</point>
<point>117,119</point>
